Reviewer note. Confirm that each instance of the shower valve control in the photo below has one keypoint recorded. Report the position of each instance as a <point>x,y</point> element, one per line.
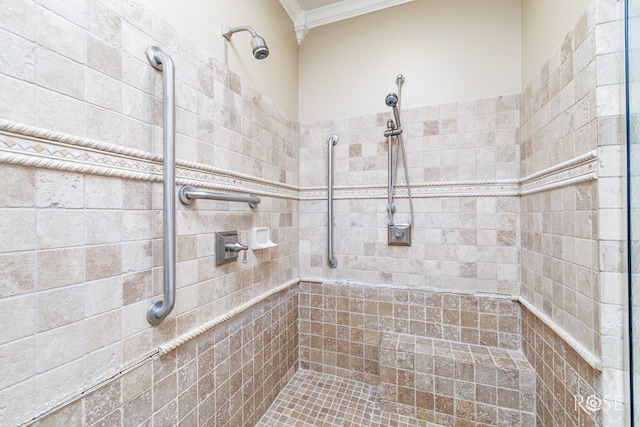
<point>399,235</point>
<point>227,247</point>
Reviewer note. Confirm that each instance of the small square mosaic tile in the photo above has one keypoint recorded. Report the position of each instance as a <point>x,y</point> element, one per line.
<point>313,399</point>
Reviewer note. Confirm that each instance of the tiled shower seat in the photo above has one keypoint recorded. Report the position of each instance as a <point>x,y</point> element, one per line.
<point>456,384</point>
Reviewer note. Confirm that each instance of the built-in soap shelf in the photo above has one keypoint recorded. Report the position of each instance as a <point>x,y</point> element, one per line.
<point>260,238</point>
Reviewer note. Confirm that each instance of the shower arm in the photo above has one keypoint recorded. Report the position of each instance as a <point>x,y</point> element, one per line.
<point>161,309</point>
<point>230,30</point>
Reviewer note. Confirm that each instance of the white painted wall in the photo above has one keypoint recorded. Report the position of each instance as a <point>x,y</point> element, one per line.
<point>449,51</point>
<point>276,76</point>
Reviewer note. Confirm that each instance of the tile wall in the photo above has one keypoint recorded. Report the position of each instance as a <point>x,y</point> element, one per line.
<point>463,167</point>
<point>341,323</point>
<point>227,376</point>
<point>80,220</point>
<point>455,384</point>
<point>81,211</point>
<point>568,390</point>
<point>572,236</point>
<point>559,227</point>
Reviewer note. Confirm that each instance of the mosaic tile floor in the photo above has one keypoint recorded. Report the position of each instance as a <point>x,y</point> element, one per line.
<point>313,399</point>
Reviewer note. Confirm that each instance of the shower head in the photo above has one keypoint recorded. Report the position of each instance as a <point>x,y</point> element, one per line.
<point>391,100</point>
<point>258,45</point>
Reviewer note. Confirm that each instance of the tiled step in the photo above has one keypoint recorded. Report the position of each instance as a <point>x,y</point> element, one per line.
<point>456,384</point>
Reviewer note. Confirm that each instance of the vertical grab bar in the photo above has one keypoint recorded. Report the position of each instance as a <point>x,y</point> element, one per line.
<point>161,309</point>
<point>333,262</point>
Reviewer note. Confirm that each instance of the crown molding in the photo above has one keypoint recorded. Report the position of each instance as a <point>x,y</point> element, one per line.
<point>304,20</point>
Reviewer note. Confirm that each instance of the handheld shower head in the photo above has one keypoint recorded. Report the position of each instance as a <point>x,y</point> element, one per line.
<point>258,45</point>
<point>391,100</point>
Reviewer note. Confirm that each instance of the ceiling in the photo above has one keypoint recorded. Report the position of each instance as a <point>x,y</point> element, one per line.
<point>308,14</point>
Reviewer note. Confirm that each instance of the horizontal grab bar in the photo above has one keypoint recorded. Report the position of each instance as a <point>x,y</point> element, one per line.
<point>187,194</point>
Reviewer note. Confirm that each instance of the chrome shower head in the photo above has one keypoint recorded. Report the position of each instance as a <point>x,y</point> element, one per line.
<point>258,45</point>
<point>391,100</point>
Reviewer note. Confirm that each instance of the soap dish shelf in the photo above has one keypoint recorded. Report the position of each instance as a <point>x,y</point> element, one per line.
<point>260,238</point>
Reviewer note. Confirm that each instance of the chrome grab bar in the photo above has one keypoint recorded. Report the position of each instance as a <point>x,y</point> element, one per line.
<point>187,194</point>
<point>161,309</point>
<point>333,262</point>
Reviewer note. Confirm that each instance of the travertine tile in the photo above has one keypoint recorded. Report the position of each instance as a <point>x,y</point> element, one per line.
<point>58,189</point>
<point>103,226</point>
<point>18,58</point>
<point>59,307</point>
<point>104,23</point>
<point>58,347</point>
<point>102,330</point>
<point>58,112</point>
<point>17,230</point>
<point>60,74</point>
<point>17,315</point>
<point>61,35</point>
<point>102,296</point>
<point>23,112</point>
<point>18,358</point>
<point>18,277</point>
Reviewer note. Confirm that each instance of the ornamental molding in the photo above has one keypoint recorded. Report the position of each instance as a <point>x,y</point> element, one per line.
<point>36,147</point>
<point>32,146</point>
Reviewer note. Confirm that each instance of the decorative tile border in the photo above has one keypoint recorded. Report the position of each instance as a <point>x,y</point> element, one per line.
<point>36,147</point>
<point>587,355</point>
<point>496,188</point>
<point>575,171</point>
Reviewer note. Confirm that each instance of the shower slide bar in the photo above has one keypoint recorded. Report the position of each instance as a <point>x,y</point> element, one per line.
<point>333,262</point>
<point>187,194</point>
<point>162,62</point>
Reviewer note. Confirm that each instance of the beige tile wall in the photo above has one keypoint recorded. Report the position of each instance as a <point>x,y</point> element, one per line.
<point>451,383</point>
<point>341,324</point>
<point>572,235</point>
<point>568,390</point>
<point>463,162</point>
<point>572,250</point>
<point>81,228</point>
<point>81,251</point>
<point>227,376</point>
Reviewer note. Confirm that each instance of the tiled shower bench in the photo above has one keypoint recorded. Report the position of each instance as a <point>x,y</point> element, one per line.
<point>456,384</point>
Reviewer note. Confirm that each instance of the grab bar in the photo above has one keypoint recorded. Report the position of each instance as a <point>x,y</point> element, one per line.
<point>187,194</point>
<point>333,262</point>
<point>161,309</point>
